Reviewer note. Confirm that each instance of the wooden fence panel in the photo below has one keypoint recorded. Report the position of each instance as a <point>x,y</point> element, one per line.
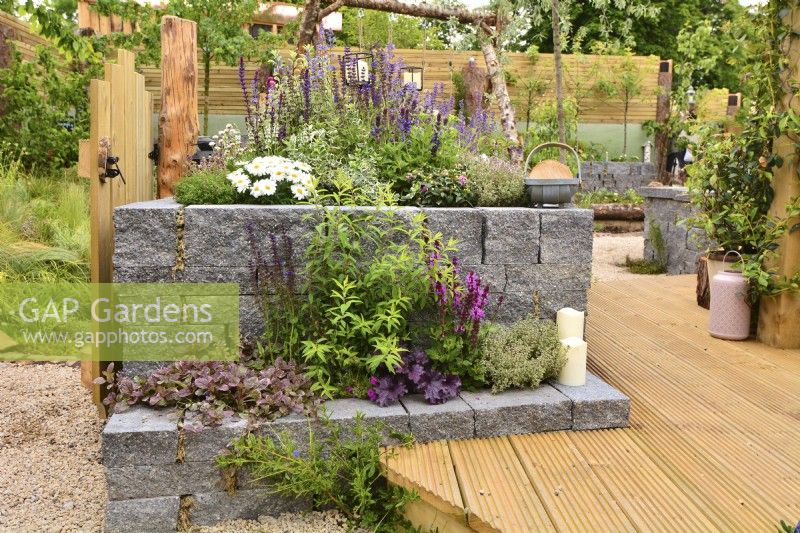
<point>121,111</point>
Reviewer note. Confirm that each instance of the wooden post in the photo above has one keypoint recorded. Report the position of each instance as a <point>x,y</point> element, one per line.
<point>662,115</point>
<point>779,317</point>
<point>178,125</point>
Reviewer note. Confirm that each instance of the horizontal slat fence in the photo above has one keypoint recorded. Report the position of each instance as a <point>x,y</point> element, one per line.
<point>25,40</point>
<point>580,75</point>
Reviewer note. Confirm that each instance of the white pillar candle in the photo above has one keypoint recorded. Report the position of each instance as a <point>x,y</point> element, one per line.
<point>570,323</point>
<point>574,372</point>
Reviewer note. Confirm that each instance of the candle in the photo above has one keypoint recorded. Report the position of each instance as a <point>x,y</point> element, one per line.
<point>362,71</point>
<point>408,77</point>
<point>574,372</point>
<point>570,323</point>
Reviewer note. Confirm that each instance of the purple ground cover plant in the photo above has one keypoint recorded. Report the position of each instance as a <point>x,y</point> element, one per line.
<point>216,390</point>
<point>415,374</point>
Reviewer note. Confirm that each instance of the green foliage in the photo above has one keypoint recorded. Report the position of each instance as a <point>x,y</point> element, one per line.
<point>436,188</point>
<point>44,110</point>
<point>206,187</point>
<point>365,275</point>
<point>604,196</point>
<point>332,470</point>
<point>623,83</point>
<point>523,355</point>
<point>497,182</point>
<point>644,266</point>
<point>397,159</point>
<point>657,265</point>
<point>406,32</point>
<point>44,225</point>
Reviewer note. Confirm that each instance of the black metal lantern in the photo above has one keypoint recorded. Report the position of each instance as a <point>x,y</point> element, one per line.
<point>412,75</point>
<point>357,68</point>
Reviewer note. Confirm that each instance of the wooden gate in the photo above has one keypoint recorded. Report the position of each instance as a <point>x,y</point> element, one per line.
<point>115,159</point>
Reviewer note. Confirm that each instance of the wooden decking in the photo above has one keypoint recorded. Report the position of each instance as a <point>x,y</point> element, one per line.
<point>714,442</point>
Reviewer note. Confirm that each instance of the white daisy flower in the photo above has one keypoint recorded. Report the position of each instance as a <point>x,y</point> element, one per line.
<point>263,188</point>
<point>242,183</point>
<point>257,167</point>
<point>299,191</point>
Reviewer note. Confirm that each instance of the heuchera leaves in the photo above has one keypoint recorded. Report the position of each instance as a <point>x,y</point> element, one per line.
<point>216,390</point>
<point>415,374</point>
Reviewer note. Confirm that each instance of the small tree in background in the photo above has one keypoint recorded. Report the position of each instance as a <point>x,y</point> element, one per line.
<point>623,83</point>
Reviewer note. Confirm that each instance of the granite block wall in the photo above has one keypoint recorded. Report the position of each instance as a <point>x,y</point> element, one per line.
<point>668,207</point>
<point>614,176</point>
<point>524,254</point>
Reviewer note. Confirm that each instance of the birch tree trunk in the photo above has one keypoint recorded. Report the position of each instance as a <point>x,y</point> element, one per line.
<point>500,89</point>
<point>562,133</point>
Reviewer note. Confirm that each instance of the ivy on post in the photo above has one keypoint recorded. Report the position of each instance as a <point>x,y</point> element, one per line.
<point>779,316</point>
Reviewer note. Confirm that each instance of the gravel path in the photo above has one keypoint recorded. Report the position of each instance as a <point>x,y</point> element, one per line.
<point>51,478</point>
<point>610,251</point>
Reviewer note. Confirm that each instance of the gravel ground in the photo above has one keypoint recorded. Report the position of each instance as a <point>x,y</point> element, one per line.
<point>323,522</point>
<point>51,478</point>
<point>610,251</point>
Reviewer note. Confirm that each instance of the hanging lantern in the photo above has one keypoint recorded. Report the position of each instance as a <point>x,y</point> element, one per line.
<point>690,97</point>
<point>729,316</point>
<point>412,75</point>
<point>357,68</point>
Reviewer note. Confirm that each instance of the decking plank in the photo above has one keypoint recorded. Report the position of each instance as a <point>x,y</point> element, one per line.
<point>712,444</point>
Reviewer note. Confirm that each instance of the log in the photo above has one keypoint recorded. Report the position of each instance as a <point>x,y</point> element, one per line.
<point>618,212</point>
<point>178,124</point>
<point>703,285</point>
<point>779,316</point>
<point>464,16</point>
<point>662,116</point>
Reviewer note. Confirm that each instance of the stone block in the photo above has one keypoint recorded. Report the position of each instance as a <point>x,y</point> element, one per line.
<point>140,436</point>
<point>149,481</point>
<point>251,321</point>
<point>596,405</point>
<point>209,508</point>
<point>343,412</point>
<point>493,275</point>
<point>451,420</point>
<point>217,235</point>
<point>548,277</point>
<point>567,236</point>
<point>551,302</point>
<point>515,306</point>
<point>511,235</point>
<point>145,233</point>
<point>146,515</point>
<point>144,274</point>
<point>241,275</point>
<point>663,192</point>
<point>519,411</point>
<point>463,224</point>
<point>208,442</point>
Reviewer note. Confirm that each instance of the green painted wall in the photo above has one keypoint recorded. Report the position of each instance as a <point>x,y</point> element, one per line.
<point>611,135</point>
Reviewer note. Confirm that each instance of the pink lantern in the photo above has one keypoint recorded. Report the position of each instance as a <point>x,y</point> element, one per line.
<point>730,308</point>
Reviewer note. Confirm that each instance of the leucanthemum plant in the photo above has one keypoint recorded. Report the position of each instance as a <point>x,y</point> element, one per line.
<point>273,179</point>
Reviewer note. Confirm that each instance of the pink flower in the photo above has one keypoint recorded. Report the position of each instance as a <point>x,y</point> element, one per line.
<point>462,180</point>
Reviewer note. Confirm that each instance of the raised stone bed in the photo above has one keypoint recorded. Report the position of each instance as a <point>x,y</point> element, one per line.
<point>668,207</point>
<point>520,252</point>
<point>157,472</point>
<point>614,176</point>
